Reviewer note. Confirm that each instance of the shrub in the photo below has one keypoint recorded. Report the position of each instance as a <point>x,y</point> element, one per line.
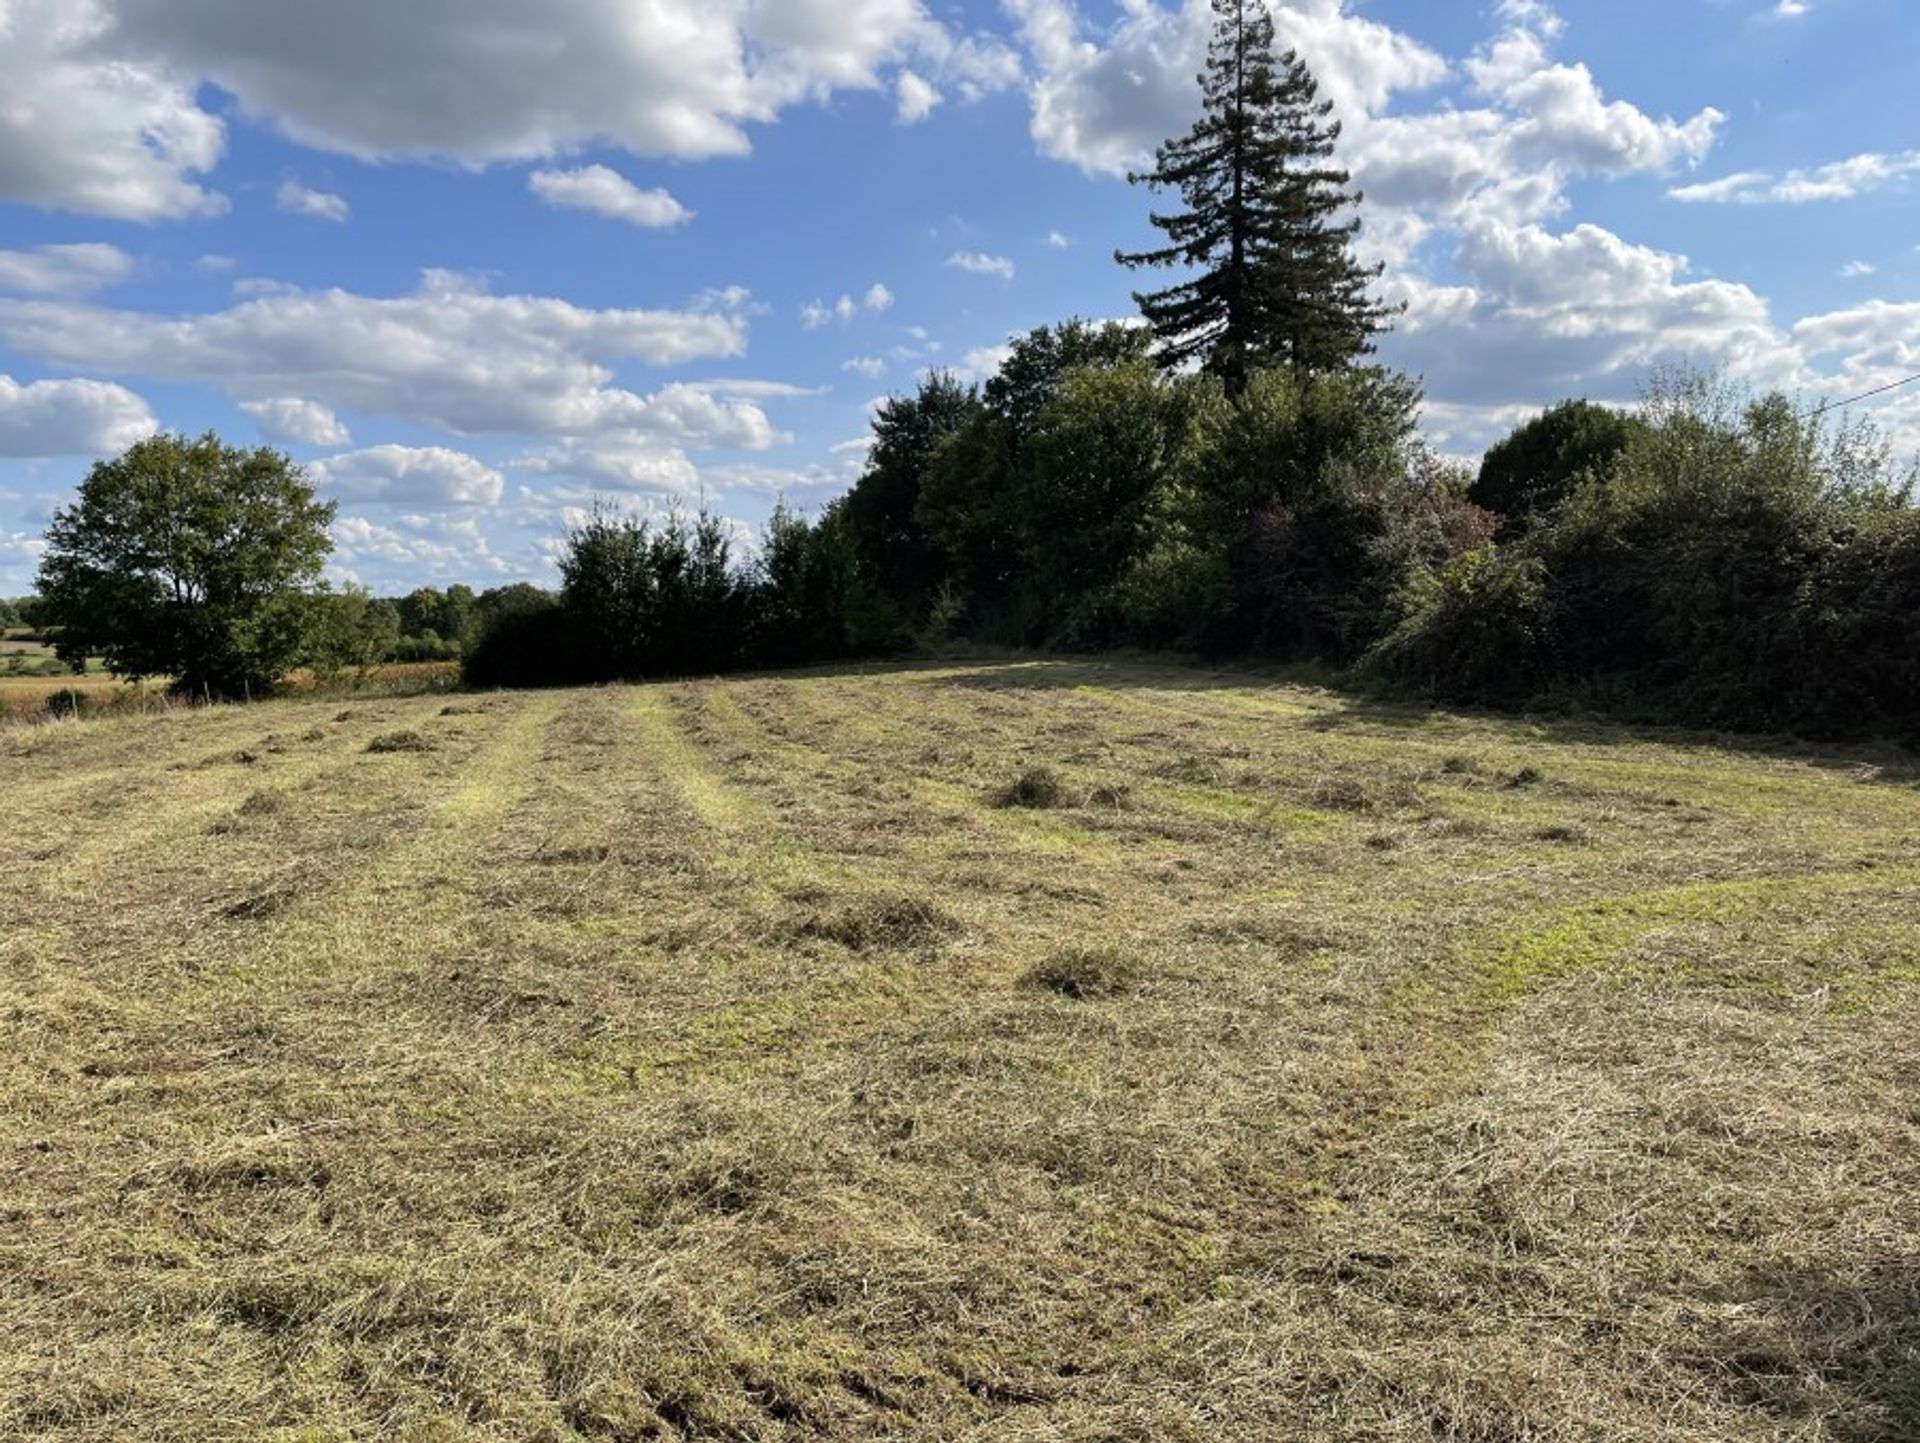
<point>1471,629</point>
<point>1539,463</point>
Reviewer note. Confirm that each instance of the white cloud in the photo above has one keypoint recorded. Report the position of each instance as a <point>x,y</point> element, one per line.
<point>982,362</point>
<point>1852,270</point>
<point>1839,180</point>
<point>481,81</point>
<point>815,315</point>
<point>1057,241</point>
<point>102,112</point>
<point>979,264</point>
<point>916,98</point>
<point>607,192</point>
<point>297,199</point>
<point>430,477</point>
<point>69,418</point>
<point>867,366</point>
<point>412,548</point>
<point>63,270</point>
<point>1791,9</point>
<point>1104,103</point>
<point>290,420</point>
<point>619,463</point>
<point>215,265</point>
<point>1540,316</point>
<point>85,130</point>
<point>448,355</point>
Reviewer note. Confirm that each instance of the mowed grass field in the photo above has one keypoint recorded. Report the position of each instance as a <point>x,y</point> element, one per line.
<point>727,1060</point>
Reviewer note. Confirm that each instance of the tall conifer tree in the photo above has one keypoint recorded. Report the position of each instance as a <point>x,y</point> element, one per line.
<point>1278,281</point>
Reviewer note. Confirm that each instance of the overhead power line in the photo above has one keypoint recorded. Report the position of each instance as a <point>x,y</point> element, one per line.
<point>1866,395</point>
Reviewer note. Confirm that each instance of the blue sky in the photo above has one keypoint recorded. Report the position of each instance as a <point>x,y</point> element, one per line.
<point>476,262</point>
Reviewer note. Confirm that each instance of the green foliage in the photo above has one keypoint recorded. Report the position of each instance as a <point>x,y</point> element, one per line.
<point>1036,505</point>
<point>435,624</point>
<point>1743,566</point>
<point>525,640</point>
<point>10,612</point>
<point>1471,629</point>
<point>648,600</point>
<point>188,559</point>
<point>880,515</point>
<point>1311,490</point>
<point>351,632</point>
<point>1532,470</point>
<point>1277,281</point>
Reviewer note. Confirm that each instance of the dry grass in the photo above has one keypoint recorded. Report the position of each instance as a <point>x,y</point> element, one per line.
<point>719,1062</point>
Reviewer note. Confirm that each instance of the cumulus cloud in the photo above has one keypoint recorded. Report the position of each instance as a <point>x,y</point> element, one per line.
<point>619,463</point>
<point>297,199</point>
<point>408,549</point>
<point>1839,180</point>
<point>290,420</point>
<point>867,366</point>
<point>982,362</point>
<point>1540,315</point>
<point>606,192</point>
<point>449,354</point>
<point>1102,101</point>
<point>916,98</point>
<point>980,264</point>
<point>86,130</point>
<point>63,270</point>
<point>103,112</point>
<point>428,477</point>
<point>817,314</point>
<point>494,80</point>
<point>69,418</point>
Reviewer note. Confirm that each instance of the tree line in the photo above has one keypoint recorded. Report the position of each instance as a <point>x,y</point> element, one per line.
<point>1233,476</point>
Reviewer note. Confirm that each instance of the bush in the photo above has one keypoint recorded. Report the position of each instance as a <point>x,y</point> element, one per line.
<point>529,644</point>
<point>1471,630</point>
<point>1538,465</point>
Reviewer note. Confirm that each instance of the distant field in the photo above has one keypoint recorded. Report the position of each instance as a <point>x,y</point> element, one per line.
<point>732,1061</point>
<point>22,696</point>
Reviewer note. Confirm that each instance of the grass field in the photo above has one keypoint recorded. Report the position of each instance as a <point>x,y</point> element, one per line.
<point>1003,1051</point>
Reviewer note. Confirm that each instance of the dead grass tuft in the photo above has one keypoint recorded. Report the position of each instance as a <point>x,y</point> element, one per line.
<point>899,922</point>
<point>1035,788</point>
<point>1086,974</point>
<point>388,743</point>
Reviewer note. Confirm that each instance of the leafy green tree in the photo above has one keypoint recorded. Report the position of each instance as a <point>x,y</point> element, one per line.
<point>516,596</point>
<point>189,559</point>
<point>980,487</point>
<point>880,515</point>
<point>1277,279</point>
<point>649,601</point>
<point>10,612</point>
<point>1534,468</point>
<point>352,631</point>
<point>1095,460</point>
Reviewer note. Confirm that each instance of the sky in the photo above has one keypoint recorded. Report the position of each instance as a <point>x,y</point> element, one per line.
<point>475,264</point>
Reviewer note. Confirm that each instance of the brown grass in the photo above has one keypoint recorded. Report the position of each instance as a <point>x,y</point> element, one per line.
<point>716,1061</point>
